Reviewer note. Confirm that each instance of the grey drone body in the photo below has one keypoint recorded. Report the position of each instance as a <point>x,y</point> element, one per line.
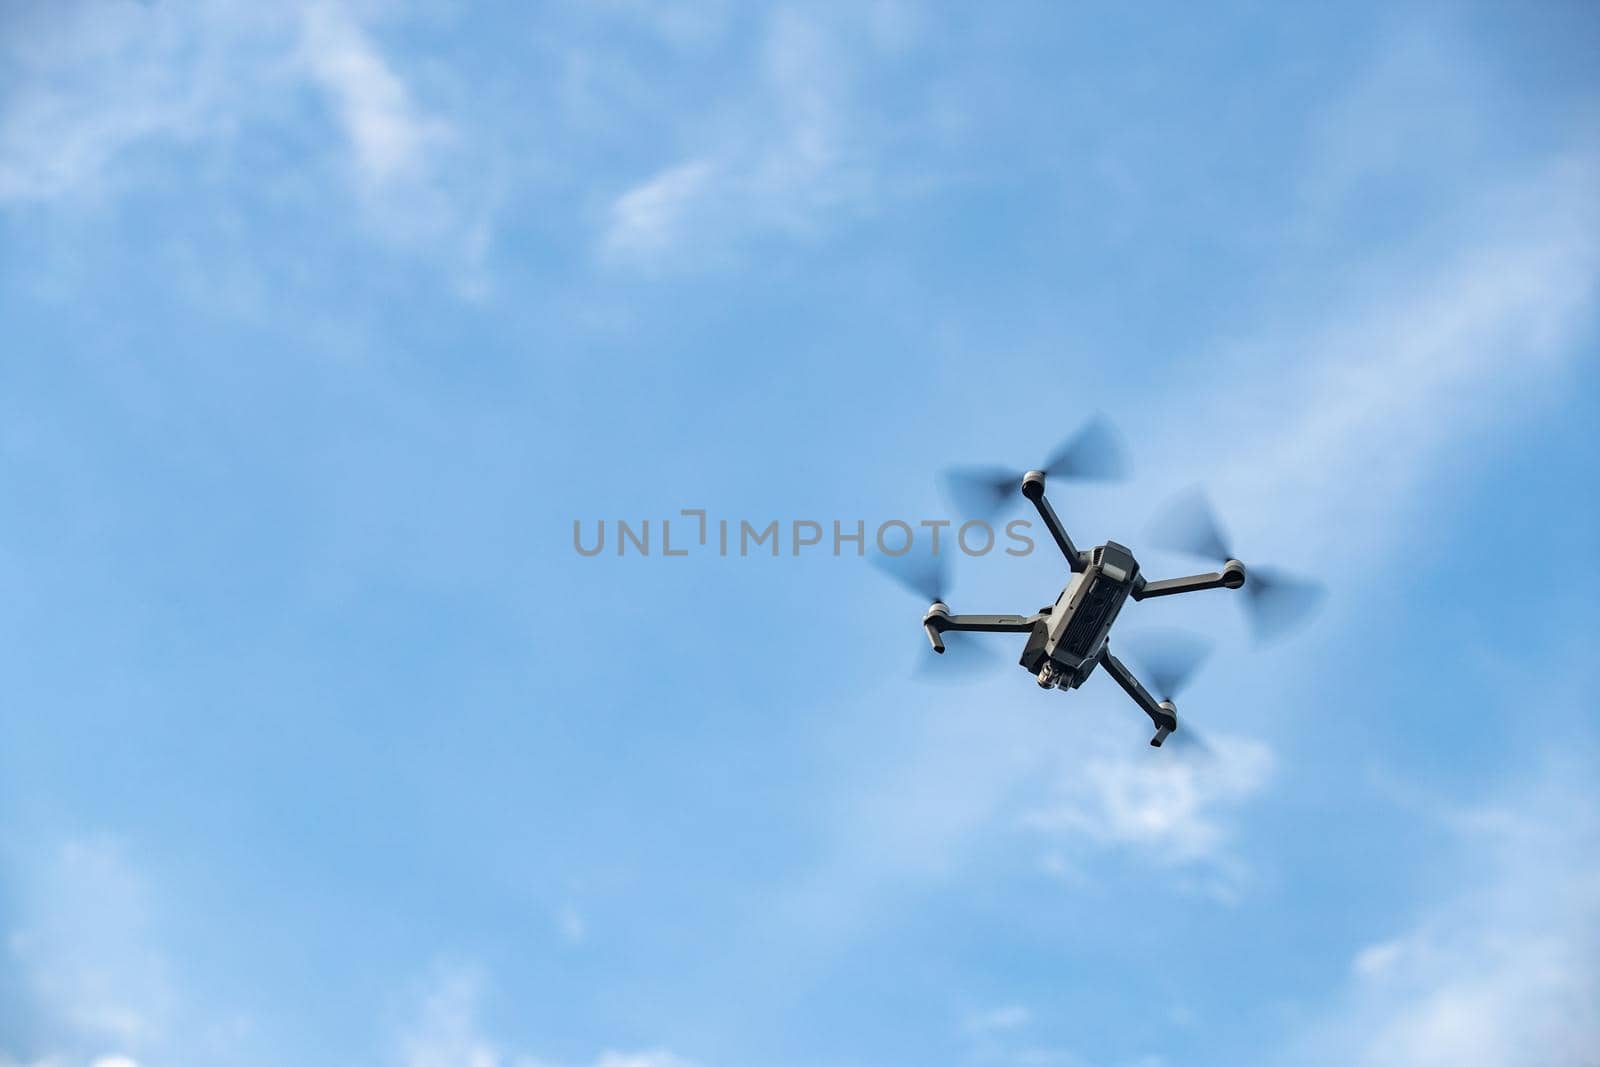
<point>1068,639</point>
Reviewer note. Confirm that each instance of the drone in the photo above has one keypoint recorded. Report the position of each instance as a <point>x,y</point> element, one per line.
<point>1068,639</point>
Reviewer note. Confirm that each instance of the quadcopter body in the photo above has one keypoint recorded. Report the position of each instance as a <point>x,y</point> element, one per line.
<point>1067,640</point>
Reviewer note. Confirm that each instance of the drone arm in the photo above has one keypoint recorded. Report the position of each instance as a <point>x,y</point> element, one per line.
<point>1230,577</point>
<point>1034,491</point>
<point>1166,722</point>
<point>988,624</point>
<point>937,624</point>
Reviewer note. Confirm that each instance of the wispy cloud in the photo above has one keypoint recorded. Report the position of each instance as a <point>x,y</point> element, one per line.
<point>1006,1017</point>
<point>422,180</point>
<point>571,924</point>
<point>1171,810</point>
<point>88,83</point>
<point>1504,971</point>
<point>1337,426</point>
<point>686,25</point>
<point>1470,342</point>
<point>88,948</point>
<point>655,1058</point>
<point>651,219</point>
<point>97,978</point>
<point>788,160</point>
<point>58,1061</point>
<point>447,1030</point>
<point>1420,99</point>
<point>105,100</point>
<point>389,136</point>
<point>88,959</point>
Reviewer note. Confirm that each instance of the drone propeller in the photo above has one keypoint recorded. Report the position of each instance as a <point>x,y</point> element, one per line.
<point>1095,453</point>
<point>920,572</point>
<point>1275,600</point>
<point>928,576</point>
<point>1170,659</point>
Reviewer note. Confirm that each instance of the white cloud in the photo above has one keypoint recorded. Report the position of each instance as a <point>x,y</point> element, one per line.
<point>96,81</point>
<point>1330,434</point>
<point>1006,1017</point>
<point>574,928</point>
<point>1171,809</point>
<point>1469,346</point>
<point>110,98</point>
<point>389,137</point>
<point>790,157</point>
<point>99,986</point>
<point>447,1032</point>
<point>1503,972</point>
<point>652,218</point>
<point>1375,960</point>
<point>688,25</point>
<point>1419,101</point>
<point>641,1059</point>
<point>1168,808</point>
<point>420,180</point>
<point>88,83</point>
<point>86,951</point>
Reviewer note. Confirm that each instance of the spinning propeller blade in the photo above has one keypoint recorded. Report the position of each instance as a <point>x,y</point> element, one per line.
<point>919,571</point>
<point>1190,526</point>
<point>980,492</point>
<point>928,576</point>
<point>1094,453</point>
<point>1170,659</point>
<point>1278,602</point>
<point>1191,741</point>
<point>1275,601</point>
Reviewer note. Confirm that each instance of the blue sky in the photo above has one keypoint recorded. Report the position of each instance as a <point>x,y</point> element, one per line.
<point>319,744</point>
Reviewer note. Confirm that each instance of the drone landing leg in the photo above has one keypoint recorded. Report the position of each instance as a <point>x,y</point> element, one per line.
<point>1161,713</point>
